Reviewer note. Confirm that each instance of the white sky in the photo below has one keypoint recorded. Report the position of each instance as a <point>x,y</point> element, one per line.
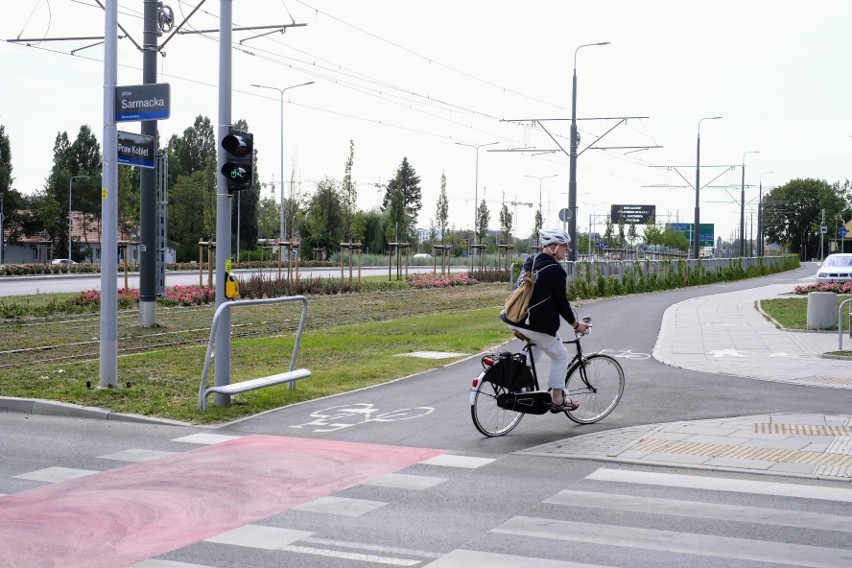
<point>412,78</point>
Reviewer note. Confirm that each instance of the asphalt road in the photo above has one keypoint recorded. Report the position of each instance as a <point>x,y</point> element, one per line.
<point>44,284</point>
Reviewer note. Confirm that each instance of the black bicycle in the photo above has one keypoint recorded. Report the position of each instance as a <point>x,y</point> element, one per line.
<point>507,388</point>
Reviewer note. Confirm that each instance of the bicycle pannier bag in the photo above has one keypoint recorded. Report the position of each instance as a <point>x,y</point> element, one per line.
<point>510,372</point>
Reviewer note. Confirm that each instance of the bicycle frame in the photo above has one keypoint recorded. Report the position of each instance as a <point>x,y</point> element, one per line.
<point>576,361</point>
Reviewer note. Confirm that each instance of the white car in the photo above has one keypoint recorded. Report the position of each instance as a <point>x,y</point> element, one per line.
<point>62,262</point>
<point>836,267</point>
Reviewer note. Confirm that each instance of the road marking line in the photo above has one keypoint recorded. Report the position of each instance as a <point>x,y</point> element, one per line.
<point>700,510</point>
<point>722,484</point>
<point>681,543</point>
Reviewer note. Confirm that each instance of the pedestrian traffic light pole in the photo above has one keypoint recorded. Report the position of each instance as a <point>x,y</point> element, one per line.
<point>222,339</point>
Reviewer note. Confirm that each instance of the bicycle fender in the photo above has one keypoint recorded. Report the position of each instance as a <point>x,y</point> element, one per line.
<point>475,384</point>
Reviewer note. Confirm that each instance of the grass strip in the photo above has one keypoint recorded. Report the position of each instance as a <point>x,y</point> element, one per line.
<point>341,358</point>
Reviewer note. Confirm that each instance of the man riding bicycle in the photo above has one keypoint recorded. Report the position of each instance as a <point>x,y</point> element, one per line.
<point>549,301</point>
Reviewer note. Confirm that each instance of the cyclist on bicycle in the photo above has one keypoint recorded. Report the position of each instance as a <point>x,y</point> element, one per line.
<point>549,301</point>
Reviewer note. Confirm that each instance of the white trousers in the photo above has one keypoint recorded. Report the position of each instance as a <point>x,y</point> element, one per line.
<point>553,348</point>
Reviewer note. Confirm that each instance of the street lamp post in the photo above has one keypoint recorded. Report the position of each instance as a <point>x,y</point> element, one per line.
<point>742,203</point>
<point>71,181</point>
<point>760,216</point>
<point>539,178</point>
<point>476,181</point>
<point>696,228</point>
<point>281,143</point>
<point>575,140</point>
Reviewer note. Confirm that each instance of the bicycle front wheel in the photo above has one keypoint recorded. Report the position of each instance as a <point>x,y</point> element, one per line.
<point>597,384</point>
<point>489,418</point>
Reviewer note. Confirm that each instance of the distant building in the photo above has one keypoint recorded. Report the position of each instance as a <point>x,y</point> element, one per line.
<point>86,236</point>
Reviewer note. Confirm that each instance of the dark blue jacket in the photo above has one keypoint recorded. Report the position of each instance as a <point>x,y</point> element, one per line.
<point>550,297</point>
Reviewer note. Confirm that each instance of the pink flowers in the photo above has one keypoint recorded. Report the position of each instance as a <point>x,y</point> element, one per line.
<point>434,280</point>
<point>175,296</point>
<point>836,287</point>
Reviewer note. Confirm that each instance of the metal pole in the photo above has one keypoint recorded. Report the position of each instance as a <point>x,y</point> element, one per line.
<point>281,166</point>
<point>742,204</point>
<point>148,182</point>
<point>760,251</point>
<point>108,375</point>
<point>475,202</point>
<point>283,229</point>
<point>696,228</point>
<point>222,338</point>
<point>572,164</point>
<point>475,187</point>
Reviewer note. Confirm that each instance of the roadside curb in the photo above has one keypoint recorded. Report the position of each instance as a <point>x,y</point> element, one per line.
<point>52,408</point>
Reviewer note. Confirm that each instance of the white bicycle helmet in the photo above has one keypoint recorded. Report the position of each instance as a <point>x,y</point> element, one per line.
<point>554,236</point>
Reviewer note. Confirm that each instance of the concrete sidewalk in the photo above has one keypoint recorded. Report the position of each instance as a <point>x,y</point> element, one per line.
<point>725,334</point>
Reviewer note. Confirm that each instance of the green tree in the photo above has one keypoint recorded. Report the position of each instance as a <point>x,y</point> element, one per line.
<point>323,223</point>
<point>269,214</point>
<point>13,208</point>
<point>652,235</point>
<point>375,227</point>
<point>397,227</point>
<point>407,181</point>
<point>195,150</point>
<point>349,195</point>
<point>189,223</point>
<point>5,162</point>
<point>505,225</point>
<point>359,227</point>
<point>483,218</point>
<point>793,212</point>
<point>675,239</point>
<point>76,170</point>
<point>537,225</point>
<point>442,211</point>
<point>632,236</point>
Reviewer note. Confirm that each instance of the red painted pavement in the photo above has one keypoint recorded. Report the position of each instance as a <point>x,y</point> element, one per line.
<point>125,515</point>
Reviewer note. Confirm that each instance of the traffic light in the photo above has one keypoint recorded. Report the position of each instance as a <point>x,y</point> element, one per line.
<point>238,168</point>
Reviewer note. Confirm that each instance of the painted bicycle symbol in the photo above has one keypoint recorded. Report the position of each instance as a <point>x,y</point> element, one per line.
<point>626,354</point>
<point>345,416</point>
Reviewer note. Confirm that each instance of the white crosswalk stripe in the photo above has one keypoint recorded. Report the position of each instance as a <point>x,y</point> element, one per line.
<point>607,491</point>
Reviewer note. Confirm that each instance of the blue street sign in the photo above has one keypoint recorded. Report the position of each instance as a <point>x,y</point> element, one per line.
<point>842,232</point>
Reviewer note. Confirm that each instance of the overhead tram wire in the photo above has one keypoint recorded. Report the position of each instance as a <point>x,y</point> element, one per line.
<point>429,101</point>
<point>428,59</point>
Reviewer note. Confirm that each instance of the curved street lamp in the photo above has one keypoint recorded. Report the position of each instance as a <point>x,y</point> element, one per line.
<point>572,168</point>
<point>539,178</point>
<point>476,181</point>
<point>281,93</point>
<point>695,229</point>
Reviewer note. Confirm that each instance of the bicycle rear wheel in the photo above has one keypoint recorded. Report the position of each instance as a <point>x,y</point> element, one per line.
<point>597,384</point>
<point>489,418</point>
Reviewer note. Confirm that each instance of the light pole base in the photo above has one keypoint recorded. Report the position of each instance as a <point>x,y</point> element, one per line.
<point>147,314</point>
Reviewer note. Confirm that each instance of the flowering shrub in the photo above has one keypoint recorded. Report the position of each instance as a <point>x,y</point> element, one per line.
<point>434,280</point>
<point>836,287</point>
<point>128,298</point>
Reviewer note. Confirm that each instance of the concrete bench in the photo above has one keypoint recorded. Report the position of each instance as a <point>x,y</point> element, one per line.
<point>245,386</point>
